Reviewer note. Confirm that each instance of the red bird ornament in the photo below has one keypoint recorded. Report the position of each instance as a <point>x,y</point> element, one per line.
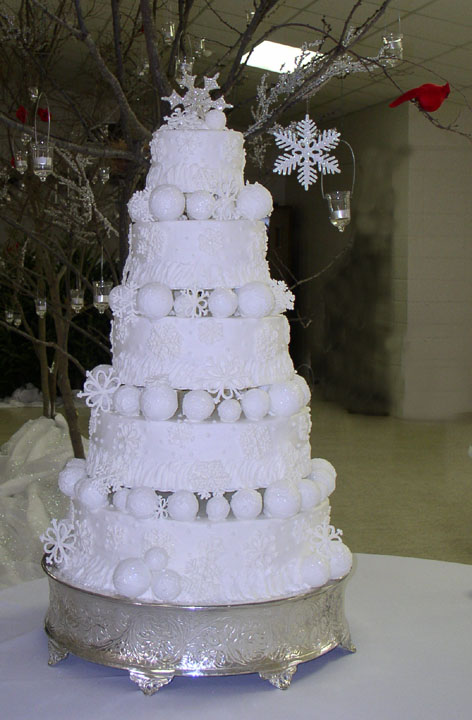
<point>430,97</point>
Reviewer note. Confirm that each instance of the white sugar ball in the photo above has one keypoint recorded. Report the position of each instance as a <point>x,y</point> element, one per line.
<point>166,585</point>
<point>217,508</point>
<point>198,405</point>
<point>126,400</point>
<point>89,496</point>
<point>120,498</point>
<point>156,558</point>
<point>182,505</point>
<point>229,410</point>
<point>159,402</point>
<point>74,471</point>
<point>286,398</point>
<point>310,493</point>
<point>282,499</point>
<point>303,385</point>
<point>314,571</point>
<point>322,464</point>
<point>255,299</point>
<point>222,302</point>
<point>154,300</point>
<point>166,202</point>
<point>132,577</point>
<point>254,202</point>
<point>199,205</point>
<point>255,403</point>
<point>141,502</point>
<point>340,560</point>
<point>323,476</point>
<point>215,119</point>
<point>246,504</point>
<point>183,305</point>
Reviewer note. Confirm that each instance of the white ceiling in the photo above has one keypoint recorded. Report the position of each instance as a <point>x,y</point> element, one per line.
<point>437,42</point>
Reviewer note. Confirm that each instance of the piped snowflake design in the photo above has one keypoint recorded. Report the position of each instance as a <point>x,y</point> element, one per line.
<point>256,442</point>
<point>322,536</point>
<point>99,388</point>
<point>123,299</point>
<point>161,507</point>
<point>127,440</point>
<point>284,298</point>
<point>260,552</point>
<point>165,343</point>
<point>209,477</point>
<point>306,149</point>
<point>225,205</point>
<point>210,332</point>
<point>196,302</point>
<point>189,110</point>
<point>58,541</point>
<point>225,379</point>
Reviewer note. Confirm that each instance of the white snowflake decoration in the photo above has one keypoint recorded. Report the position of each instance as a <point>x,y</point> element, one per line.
<point>195,103</point>
<point>123,299</point>
<point>161,507</point>
<point>99,388</point>
<point>306,149</point>
<point>58,541</point>
<point>322,537</point>
<point>196,302</point>
<point>284,298</point>
<point>225,379</point>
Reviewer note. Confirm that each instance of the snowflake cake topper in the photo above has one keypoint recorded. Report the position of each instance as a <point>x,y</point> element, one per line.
<point>306,149</point>
<point>189,110</point>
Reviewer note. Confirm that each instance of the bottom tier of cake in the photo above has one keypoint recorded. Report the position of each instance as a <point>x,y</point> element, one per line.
<point>200,562</point>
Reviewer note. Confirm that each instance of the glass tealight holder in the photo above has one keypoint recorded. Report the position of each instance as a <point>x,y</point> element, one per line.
<point>21,161</point>
<point>25,138</point>
<point>339,204</point>
<point>104,174</point>
<point>185,65</point>
<point>43,151</point>
<point>9,316</point>
<point>392,50</point>
<point>41,306</point>
<point>33,93</point>
<point>101,294</point>
<point>17,319</point>
<point>168,32</point>
<point>77,299</point>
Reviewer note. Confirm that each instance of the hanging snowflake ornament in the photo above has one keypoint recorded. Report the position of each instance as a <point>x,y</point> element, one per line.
<point>99,387</point>
<point>306,149</point>
<point>189,110</point>
<point>58,541</point>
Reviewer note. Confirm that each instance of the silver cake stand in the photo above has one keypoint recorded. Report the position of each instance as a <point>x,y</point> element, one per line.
<point>156,642</point>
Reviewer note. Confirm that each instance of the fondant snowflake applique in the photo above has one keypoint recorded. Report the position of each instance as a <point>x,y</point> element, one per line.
<point>190,109</point>
<point>284,298</point>
<point>306,149</point>
<point>161,507</point>
<point>323,535</point>
<point>123,298</point>
<point>194,303</point>
<point>99,387</point>
<point>58,541</point>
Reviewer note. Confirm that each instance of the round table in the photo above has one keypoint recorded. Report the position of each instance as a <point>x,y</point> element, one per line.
<point>410,619</point>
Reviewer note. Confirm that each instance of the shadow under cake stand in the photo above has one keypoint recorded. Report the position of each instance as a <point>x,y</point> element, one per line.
<point>156,642</point>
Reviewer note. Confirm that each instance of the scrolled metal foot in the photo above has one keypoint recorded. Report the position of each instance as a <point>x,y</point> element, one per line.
<point>282,679</point>
<point>56,652</point>
<point>149,684</point>
<point>347,644</point>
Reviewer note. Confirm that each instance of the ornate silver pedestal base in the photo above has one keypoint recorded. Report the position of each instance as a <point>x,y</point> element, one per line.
<point>156,642</point>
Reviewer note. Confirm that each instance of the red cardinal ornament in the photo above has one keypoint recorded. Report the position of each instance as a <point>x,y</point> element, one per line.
<point>21,114</point>
<point>430,97</point>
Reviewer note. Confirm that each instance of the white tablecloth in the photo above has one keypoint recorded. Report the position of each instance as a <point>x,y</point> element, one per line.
<point>410,619</point>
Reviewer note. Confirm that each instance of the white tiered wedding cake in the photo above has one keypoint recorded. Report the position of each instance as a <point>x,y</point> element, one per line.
<point>199,487</point>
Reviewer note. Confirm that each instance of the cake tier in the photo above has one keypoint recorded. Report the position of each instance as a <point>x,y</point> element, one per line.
<point>198,253</point>
<point>192,160</point>
<point>202,353</point>
<point>209,456</point>
<point>206,563</point>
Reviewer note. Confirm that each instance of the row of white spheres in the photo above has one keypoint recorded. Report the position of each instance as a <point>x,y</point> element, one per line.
<point>168,202</point>
<point>160,402</point>
<point>255,299</point>
<point>134,576</point>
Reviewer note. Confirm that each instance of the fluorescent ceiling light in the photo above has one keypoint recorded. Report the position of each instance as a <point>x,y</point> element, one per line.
<point>276,57</point>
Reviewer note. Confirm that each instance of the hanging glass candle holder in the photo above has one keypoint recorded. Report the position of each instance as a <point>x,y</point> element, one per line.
<point>184,65</point>
<point>33,93</point>
<point>339,201</point>
<point>17,319</point>
<point>77,299</point>
<point>41,306</point>
<point>9,316</point>
<point>392,49</point>
<point>168,32</point>
<point>101,293</point>
<point>43,151</point>
<point>21,161</point>
<point>104,174</point>
<point>25,138</point>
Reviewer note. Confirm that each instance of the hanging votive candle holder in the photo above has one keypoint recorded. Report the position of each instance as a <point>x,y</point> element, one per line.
<point>9,314</point>
<point>339,204</point>
<point>41,306</point>
<point>392,50</point>
<point>21,161</point>
<point>168,32</point>
<point>25,138</point>
<point>33,93</point>
<point>17,319</point>
<point>101,294</point>
<point>104,174</point>
<point>77,299</point>
<point>43,151</point>
<point>185,65</point>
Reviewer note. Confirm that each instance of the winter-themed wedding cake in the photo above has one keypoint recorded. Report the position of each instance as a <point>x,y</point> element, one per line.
<point>199,487</point>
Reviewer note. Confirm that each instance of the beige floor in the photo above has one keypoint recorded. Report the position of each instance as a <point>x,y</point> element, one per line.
<point>404,487</point>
